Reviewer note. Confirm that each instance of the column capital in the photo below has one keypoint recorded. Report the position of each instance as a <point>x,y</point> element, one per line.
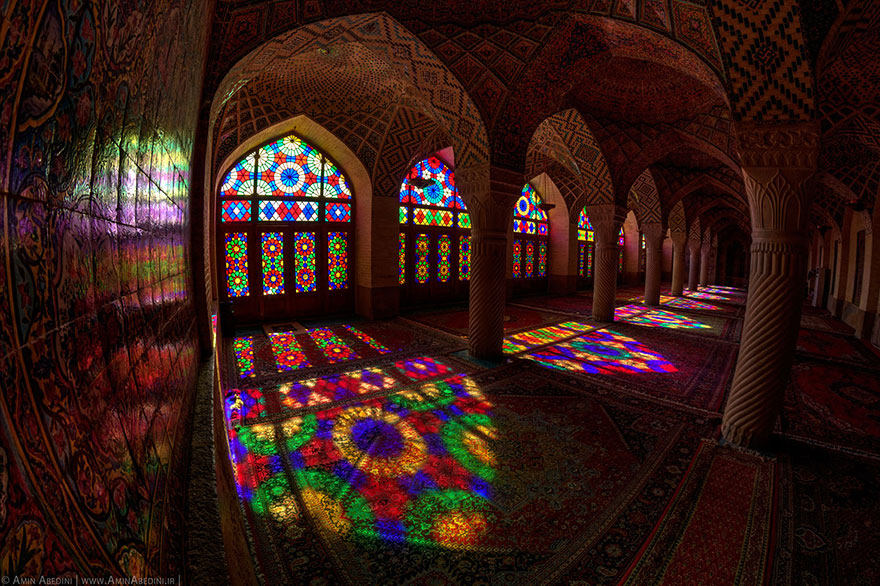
<point>606,220</point>
<point>793,145</point>
<point>694,245</point>
<point>490,194</point>
<point>678,238</point>
<point>654,233</point>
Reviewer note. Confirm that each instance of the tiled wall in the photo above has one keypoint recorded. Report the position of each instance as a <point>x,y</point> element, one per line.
<point>98,106</point>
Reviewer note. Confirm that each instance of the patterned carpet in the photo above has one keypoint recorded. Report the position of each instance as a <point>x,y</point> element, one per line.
<point>376,453</point>
<point>455,321</point>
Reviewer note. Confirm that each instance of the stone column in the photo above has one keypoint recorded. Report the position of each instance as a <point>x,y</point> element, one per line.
<point>490,196</point>
<point>705,253</point>
<point>778,162</point>
<point>679,239</point>
<point>606,220</point>
<point>654,233</point>
<point>693,275</point>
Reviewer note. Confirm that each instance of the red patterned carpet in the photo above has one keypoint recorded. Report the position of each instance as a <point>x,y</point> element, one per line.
<point>516,317</point>
<point>371,453</point>
<point>717,525</point>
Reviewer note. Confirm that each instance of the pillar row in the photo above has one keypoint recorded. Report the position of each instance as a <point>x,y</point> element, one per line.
<point>694,273</point>
<point>653,260</point>
<point>606,220</point>
<point>777,164</point>
<point>679,241</point>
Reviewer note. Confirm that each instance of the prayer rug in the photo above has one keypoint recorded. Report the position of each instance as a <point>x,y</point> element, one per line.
<point>692,371</point>
<point>829,346</point>
<point>451,483</point>
<point>719,524</point>
<point>829,506</point>
<point>834,404</point>
<point>516,317</point>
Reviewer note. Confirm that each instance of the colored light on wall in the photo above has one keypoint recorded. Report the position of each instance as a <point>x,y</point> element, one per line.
<point>401,259</point>
<point>517,258</point>
<point>243,348</point>
<point>423,267</point>
<point>273,263</point>
<point>305,262</point>
<point>602,352</point>
<point>443,253</point>
<point>337,260</point>
<point>464,258</point>
<point>236,264</point>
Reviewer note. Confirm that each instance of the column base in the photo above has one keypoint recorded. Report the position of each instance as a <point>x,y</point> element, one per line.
<point>743,437</point>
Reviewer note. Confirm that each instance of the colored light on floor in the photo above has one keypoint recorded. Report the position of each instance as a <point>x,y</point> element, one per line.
<point>602,352</point>
<point>422,368</point>
<point>243,348</point>
<point>410,467</point>
<point>334,348</point>
<point>546,335</point>
<point>288,353</point>
<point>667,319</point>
<point>709,296</point>
<point>685,303</point>
<point>368,340</point>
<point>627,311</point>
<point>337,387</point>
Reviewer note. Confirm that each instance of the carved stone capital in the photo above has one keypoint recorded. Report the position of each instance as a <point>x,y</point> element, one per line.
<point>777,204</point>
<point>606,220</point>
<point>654,233</point>
<point>678,239</point>
<point>783,145</point>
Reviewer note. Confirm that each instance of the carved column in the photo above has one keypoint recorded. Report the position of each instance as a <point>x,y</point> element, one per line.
<point>777,164</point>
<point>491,195</point>
<point>705,253</point>
<point>693,275</point>
<point>653,261</point>
<point>606,220</point>
<point>679,240</point>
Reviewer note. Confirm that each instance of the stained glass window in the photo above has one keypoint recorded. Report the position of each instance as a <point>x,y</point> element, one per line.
<point>430,199</point>
<point>531,222</point>
<point>305,262</point>
<point>642,252</point>
<point>464,258</point>
<point>423,270</point>
<point>542,260</point>
<point>443,254</point>
<point>620,243</point>
<point>585,230</point>
<point>236,264</point>
<point>517,258</point>
<point>337,260</point>
<point>582,249</point>
<point>287,181</point>
<point>401,259</point>
<point>273,263</point>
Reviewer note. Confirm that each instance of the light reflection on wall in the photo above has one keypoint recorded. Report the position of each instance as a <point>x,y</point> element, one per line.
<point>667,319</point>
<point>413,466</point>
<point>602,352</point>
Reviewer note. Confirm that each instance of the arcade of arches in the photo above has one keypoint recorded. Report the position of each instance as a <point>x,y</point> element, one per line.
<point>582,292</point>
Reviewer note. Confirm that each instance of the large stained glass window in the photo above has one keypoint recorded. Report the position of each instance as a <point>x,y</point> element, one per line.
<point>642,252</point>
<point>294,205</point>
<point>586,245</point>
<point>531,231</point>
<point>433,222</point>
<point>621,242</point>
